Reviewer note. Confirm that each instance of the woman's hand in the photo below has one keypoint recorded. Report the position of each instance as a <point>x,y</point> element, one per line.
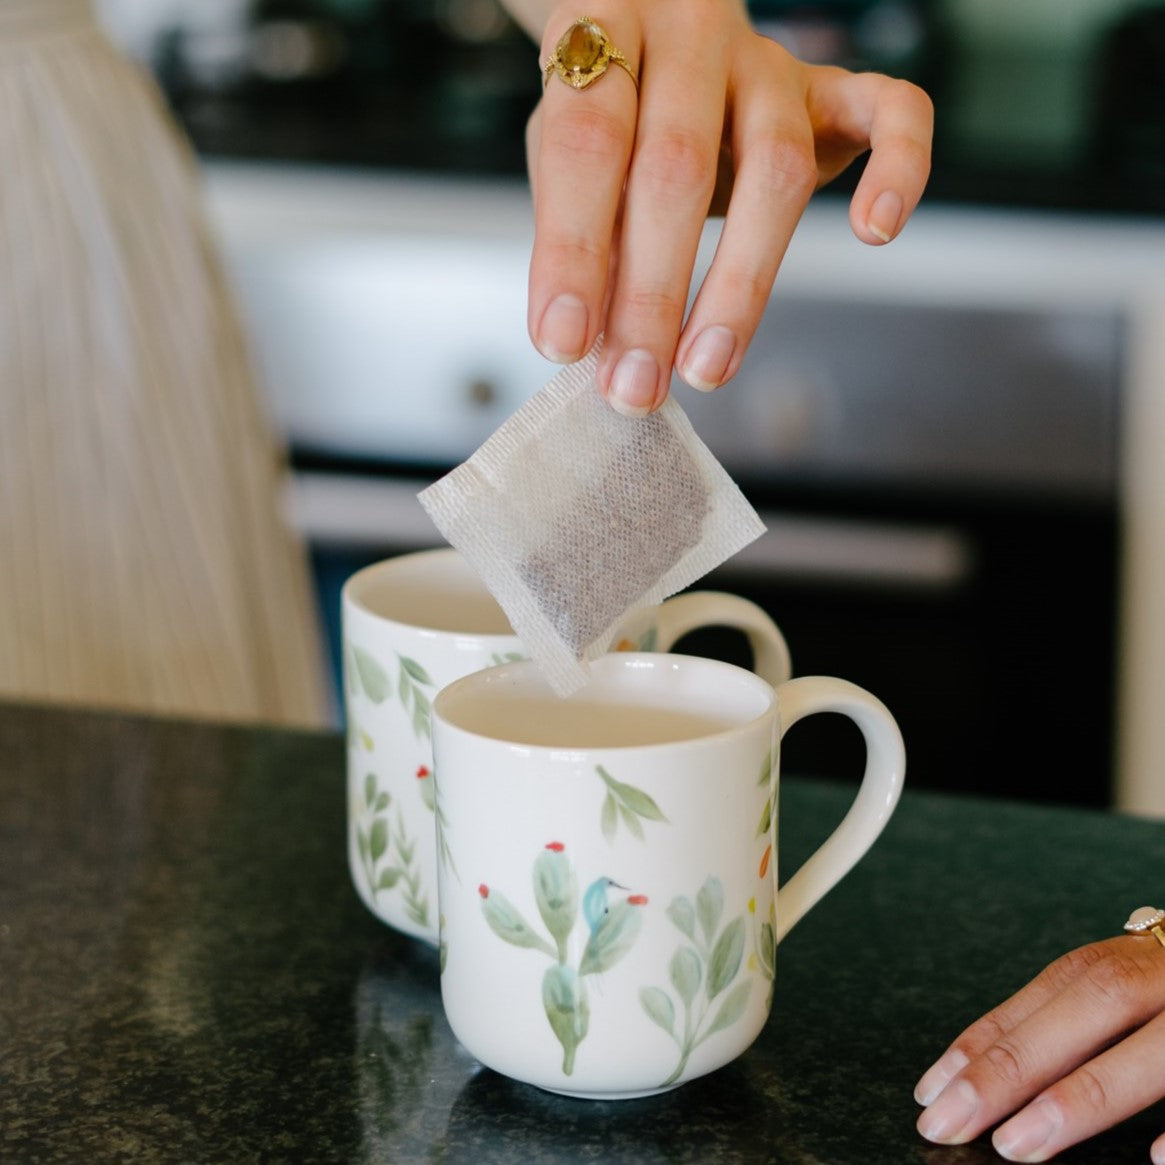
<point>1080,1048</point>
<point>623,181</point>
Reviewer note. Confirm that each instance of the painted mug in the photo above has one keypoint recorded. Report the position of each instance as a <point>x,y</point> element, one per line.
<point>413,624</point>
<point>607,874</point>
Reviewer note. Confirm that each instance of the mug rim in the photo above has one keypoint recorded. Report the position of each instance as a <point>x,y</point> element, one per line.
<point>622,660</point>
<point>360,579</point>
<point>354,594</point>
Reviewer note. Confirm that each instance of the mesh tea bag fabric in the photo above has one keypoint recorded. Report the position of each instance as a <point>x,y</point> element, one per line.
<point>574,515</point>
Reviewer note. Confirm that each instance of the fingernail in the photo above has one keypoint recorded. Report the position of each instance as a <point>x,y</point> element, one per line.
<point>1157,1151</point>
<point>563,332</point>
<point>1025,1137</point>
<point>633,383</point>
<point>708,358</point>
<point>936,1078</point>
<point>946,1119</point>
<point>884,215</point>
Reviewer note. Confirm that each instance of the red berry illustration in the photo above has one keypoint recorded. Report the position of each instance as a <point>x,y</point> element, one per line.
<point>422,772</point>
<point>556,846</point>
<point>483,890</point>
<point>637,900</point>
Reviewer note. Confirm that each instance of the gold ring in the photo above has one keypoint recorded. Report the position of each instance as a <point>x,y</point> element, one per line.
<point>583,54</point>
<point>1147,920</point>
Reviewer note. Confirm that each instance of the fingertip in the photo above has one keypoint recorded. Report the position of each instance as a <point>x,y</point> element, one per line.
<point>632,388</point>
<point>1157,1151</point>
<point>706,362</point>
<point>562,331</point>
<point>885,216</point>
<point>939,1075</point>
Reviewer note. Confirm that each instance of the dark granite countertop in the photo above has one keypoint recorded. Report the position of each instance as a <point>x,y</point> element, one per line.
<point>186,974</point>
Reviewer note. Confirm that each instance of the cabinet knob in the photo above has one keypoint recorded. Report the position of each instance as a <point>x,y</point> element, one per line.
<point>481,393</point>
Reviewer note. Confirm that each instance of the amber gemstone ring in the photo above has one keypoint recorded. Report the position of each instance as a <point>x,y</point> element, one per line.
<point>583,54</point>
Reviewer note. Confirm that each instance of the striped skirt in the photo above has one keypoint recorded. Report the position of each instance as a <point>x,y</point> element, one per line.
<point>144,560</point>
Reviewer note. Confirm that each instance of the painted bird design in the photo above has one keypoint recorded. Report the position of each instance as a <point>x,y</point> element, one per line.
<point>595,904</point>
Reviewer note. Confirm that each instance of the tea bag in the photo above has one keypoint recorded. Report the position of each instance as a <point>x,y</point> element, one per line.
<point>573,515</point>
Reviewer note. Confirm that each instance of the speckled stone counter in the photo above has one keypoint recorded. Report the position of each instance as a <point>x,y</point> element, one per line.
<point>186,974</point>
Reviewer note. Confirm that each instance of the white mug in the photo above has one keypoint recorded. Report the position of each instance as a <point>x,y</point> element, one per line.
<point>607,874</point>
<point>413,624</point>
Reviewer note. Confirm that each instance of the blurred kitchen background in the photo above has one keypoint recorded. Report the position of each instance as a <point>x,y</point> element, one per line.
<point>955,441</point>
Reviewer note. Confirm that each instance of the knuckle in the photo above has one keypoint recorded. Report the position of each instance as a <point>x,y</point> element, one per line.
<point>746,289</point>
<point>918,99</point>
<point>910,96</point>
<point>1007,1062</point>
<point>586,132</point>
<point>987,1032</point>
<point>1072,966</point>
<point>571,249</point>
<point>1118,979</point>
<point>787,164</point>
<point>678,159</point>
<point>1094,1089</point>
<point>1085,1089</point>
<point>653,303</point>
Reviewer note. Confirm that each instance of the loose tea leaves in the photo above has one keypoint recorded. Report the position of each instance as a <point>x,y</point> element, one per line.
<point>574,515</point>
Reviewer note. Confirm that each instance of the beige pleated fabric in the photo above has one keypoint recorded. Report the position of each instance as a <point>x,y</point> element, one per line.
<point>144,563</point>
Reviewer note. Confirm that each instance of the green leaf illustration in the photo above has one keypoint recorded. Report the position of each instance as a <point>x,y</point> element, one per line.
<point>734,1006</point>
<point>767,949</point>
<point>699,975</point>
<point>634,799</point>
<point>766,819</point>
<point>686,972</point>
<point>683,915</point>
<point>612,938</point>
<point>413,699</point>
<point>378,839</point>
<point>389,877</point>
<point>428,795</point>
<point>415,671</point>
<point>631,821</point>
<point>764,779</point>
<point>565,1001</point>
<point>659,1008</point>
<point>382,802</point>
<point>625,803</point>
<point>709,906</point>
<point>422,725</point>
<point>373,677</point>
<point>369,788</point>
<point>350,679</point>
<point>506,921</point>
<point>362,844</point>
<point>726,956</point>
<point>556,893</point>
<point>497,657</point>
<point>609,818</point>
<point>766,768</point>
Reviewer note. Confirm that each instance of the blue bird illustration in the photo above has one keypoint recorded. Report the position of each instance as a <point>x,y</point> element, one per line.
<point>594,903</point>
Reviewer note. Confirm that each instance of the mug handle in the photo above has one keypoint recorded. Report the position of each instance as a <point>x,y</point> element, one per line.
<point>676,616</point>
<point>872,806</point>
